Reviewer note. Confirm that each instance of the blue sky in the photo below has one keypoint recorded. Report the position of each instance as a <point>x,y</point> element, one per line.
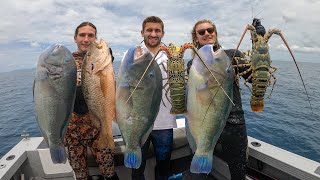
<point>29,26</point>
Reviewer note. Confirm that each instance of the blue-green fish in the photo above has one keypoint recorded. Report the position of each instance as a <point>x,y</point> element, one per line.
<point>208,105</point>
<point>136,116</point>
<point>54,94</point>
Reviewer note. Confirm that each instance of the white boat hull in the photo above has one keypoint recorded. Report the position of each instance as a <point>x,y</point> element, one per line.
<point>30,158</point>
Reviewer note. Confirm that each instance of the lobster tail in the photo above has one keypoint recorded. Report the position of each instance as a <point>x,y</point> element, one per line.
<point>178,94</point>
<point>256,104</point>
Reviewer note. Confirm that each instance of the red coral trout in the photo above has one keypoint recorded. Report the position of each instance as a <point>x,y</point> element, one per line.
<point>98,85</point>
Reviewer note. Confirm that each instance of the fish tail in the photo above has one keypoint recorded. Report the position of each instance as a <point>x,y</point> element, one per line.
<point>201,163</point>
<point>133,158</point>
<point>58,154</point>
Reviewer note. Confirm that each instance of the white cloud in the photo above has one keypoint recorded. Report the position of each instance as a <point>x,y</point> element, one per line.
<point>28,26</point>
<point>71,14</point>
<point>34,44</point>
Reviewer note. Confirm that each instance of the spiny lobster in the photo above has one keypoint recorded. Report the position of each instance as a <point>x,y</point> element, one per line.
<point>176,77</point>
<point>260,64</point>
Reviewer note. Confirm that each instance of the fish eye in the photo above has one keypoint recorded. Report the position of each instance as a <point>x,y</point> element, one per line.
<point>151,74</point>
<point>66,60</point>
<point>228,69</point>
<point>92,66</point>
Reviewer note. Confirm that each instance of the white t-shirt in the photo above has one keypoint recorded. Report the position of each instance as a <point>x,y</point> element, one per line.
<point>164,120</point>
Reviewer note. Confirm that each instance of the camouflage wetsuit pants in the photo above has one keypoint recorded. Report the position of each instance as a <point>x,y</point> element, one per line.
<point>80,135</point>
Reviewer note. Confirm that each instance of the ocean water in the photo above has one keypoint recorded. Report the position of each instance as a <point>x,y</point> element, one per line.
<point>287,120</point>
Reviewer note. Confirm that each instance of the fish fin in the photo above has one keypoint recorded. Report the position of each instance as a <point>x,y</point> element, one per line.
<point>133,158</point>
<point>192,142</point>
<point>58,154</point>
<point>104,84</point>
<point>201,163</point>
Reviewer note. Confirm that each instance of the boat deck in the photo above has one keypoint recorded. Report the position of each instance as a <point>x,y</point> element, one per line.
<point>30,159</point>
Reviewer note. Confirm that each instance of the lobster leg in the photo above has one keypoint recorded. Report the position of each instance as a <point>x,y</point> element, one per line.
<point>237,66</point>
<point>246,81</point>
<point>247,54</point>
<point>274,79</point>
<point>245,72</point>
<point>246,64</point>
<point>241,65</point>
<point>166,88</point>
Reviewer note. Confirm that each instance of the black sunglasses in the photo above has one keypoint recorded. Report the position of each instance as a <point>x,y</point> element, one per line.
<point>203,31</point>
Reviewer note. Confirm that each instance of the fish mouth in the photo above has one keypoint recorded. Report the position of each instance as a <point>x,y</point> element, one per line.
<point>56,51</point>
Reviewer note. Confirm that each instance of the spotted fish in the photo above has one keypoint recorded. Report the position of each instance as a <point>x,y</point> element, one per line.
<point>98,86</point>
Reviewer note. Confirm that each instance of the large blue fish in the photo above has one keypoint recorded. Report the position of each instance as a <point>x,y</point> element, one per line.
<point>208,105</point>
<point>136,116</point>
<point>54,94</point>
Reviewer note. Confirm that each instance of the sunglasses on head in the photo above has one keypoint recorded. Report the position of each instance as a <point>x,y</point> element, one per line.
<point>203,31</point>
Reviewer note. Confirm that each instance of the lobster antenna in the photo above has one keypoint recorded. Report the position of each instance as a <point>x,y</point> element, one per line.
<point>205,64</point>
<point>251,12</point>
<point>257,14</point>
<point>305,89</point>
